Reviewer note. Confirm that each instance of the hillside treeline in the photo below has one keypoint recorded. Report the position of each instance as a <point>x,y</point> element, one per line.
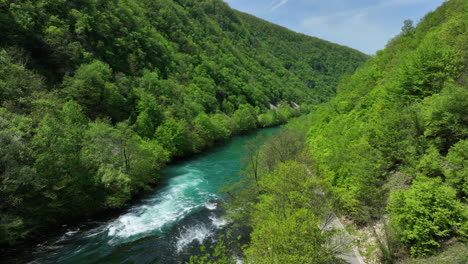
<point>97,95</point>
<point>389,153</point>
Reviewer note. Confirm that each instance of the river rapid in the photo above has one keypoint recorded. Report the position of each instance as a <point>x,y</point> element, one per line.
<point>166,226</point>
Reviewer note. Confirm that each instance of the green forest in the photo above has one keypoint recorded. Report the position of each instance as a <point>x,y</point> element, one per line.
<point>392,146</point>
<point>389,154</point>
<point>97,95</point>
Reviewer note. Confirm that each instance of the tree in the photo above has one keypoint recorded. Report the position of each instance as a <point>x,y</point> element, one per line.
<point>430,164</point>
<point>174,136</point>
<point>204,130</point>
<point>221,126</point>
<point>203,91</point>
<point>17,84</point>
<point>286,221</point>
<point>268,119</point>
<point>425,71</point>
<point>150,114</point>
<point>92,87</point>
<point>222,252</point>
<point>121,162</point>
<point>408,27</point>
<point>282,147</point>
<point>243,119</point>
<point>444,116</point>
<point>251,159</point>
<point>425,213</point>
<point>456,170</point>
<point>57,144</point>
<point>19,180</point>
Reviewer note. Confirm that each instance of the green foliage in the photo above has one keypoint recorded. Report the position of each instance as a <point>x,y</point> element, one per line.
<point>401,115</point>
<point>430,164</point>
<point>284,146</point>
<point>204,131</point>
<point>456,171</point>
<point>222,252</point>
<point>388,241</point>
<point>92,87</point>
<point>425,70</point>
<point>18,178</point>
<point>393,140</point>
<point>286,221</point>
<point>427,212</point>
<point>16,84</point>
<point>452,253</point>
<point>98,95</point>
<point>408,27</point>
<point>243,119</point>
<point>120,161</point>
<point>445,116</point>
<point>149,117</point>
<point>268,119</point>
<point>220,126</point>
<point>56,148</point>
<point>174,136</point>
<point>281,202</point>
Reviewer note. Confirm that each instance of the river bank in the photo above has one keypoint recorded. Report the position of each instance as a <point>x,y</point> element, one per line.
<point>178,216</point>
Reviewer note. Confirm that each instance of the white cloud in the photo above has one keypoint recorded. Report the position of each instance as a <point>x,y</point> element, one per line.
<point>352,27</point>
<point>276,4</point>
<point>366,25</point>
<point>362,28</point>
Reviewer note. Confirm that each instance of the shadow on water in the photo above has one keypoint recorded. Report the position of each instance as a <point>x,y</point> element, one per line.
<point>166,226</point>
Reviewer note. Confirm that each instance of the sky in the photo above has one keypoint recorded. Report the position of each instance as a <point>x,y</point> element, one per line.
<point>365,25</point>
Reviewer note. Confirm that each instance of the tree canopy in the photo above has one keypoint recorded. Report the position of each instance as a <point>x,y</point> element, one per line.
<point>96,96</point>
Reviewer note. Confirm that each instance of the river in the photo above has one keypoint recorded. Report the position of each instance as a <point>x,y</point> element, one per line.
<point>166,226</point>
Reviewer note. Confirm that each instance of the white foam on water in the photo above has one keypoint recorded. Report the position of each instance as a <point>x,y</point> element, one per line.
<point>67,235</point>
<point>169,206</point>
<point>198,232</point>
<point>72,232</point>
<point>211,206</point>
<point>218,222</point>
<point>94,232</point>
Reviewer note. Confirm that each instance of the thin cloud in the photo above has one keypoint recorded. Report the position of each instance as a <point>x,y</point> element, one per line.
<point>352,27</point>
<point>278,5</point>
<point>366,25</point>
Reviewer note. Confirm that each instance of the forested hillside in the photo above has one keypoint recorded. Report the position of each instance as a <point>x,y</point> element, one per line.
<point>96,96</point>
<point>389,153</point>
<point>394,140</point>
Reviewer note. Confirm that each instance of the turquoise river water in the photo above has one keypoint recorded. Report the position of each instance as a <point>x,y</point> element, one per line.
<point>166,226</point>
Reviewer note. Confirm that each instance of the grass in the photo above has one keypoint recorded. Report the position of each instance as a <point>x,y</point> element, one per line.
<point>455,253</point>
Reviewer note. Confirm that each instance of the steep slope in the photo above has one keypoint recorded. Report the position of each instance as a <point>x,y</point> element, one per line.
<point>321,66</point>
<point>97,95</point>
<point>389,152</point>
<point>394,140</point>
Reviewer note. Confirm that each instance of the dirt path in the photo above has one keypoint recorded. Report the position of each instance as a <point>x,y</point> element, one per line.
<point>353,256</point>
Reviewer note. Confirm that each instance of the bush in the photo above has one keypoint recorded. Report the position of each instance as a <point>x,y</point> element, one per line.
<point>426,213</point>
<point>457,167</point>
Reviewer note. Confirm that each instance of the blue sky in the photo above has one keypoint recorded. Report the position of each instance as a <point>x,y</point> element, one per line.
<point>365,25</point>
